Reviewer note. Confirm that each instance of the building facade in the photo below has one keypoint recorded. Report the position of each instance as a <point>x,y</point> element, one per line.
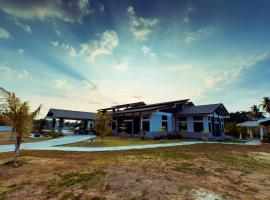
<point>174,117</point>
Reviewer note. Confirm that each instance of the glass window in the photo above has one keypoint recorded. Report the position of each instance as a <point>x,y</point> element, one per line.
<point>182,119</point>
<point>197,118</point>
<point>146,116</point>
<point>146,126</point>
<point>210,127</point>
<point>182,127</point>
<point>165,124</point>
<point>164,117</point>
<point>198,127</point>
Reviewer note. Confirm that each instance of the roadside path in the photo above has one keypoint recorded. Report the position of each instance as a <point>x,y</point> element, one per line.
<point>53,145</point>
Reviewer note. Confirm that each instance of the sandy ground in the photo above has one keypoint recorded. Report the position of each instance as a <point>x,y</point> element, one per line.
<point>203,171</point>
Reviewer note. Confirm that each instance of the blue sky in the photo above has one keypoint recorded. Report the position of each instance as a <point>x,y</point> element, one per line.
<point>85,55</point>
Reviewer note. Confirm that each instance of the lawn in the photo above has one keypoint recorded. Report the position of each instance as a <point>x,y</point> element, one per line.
<point>6,139</point>
<point>185,172</point>
<point>111,141</point>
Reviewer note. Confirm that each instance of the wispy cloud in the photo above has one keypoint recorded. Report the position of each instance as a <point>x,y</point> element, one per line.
<point>89,85</point>
<point>123,64</point>
<point>4,34</point>
<point>25,27</point>
<point>104,46</point>
<point>71,11</point>
<point>189,10</point>
<point>227,75</point>
<point>199,34</point>
<point>20,51</point>
<point>147,51</point>
<point>7,72</point>
<point>71,50</point>
<point>140,27</point>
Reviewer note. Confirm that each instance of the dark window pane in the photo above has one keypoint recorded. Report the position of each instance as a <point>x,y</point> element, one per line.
<point>182,127</point>
<point>164,117</point>
<point>146,116</point>
<point>182,119</point>
<point>198,127</point>
<point>197,118</point>
<point>165,125</point>
<point>146,126</point>
<point>210,127</point>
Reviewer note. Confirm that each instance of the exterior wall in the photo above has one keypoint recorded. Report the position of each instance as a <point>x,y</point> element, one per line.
<point>156,121</point>
<point>190,127</point>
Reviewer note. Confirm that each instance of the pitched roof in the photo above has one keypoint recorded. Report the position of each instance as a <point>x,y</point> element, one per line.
<point>70,114</point>
<point>150,107</point>
<point>204,109</point>
<point>249,124</point>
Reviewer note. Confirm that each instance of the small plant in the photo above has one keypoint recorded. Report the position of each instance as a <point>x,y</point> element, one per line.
<point>123,128</point>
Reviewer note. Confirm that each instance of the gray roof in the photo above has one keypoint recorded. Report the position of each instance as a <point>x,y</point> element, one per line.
<point>249,124</point>
<point>70,114</point>
<point>204,109</point>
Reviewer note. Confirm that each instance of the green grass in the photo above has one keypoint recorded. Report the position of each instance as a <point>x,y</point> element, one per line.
<point>112,141</point>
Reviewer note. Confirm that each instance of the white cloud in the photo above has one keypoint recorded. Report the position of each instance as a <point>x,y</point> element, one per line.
<point>122,65</point>
<point>4,34</point>
<point>57,32</point>
<point>71,50</point>
<point>23,75</point>
<point>140,27</point>
<point>21,51</point>
<point>89,85</point>
<point>186,19</point>
<point>219,79</point>
<point>25,27</point>
<point>62,84</point>
<point>71,11</point>
<point>104,46</point>
<point>199,34</point>
<point>147,51</point>
<point>7,72</point>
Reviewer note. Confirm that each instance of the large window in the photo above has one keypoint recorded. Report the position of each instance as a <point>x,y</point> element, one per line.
<point>198,127</point>
<point>183,127</point>
<point>146,126</point>
<point>164,117</point>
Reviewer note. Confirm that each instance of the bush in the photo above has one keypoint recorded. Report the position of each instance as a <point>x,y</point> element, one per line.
<point>168,136</point>
<point>55,134</point>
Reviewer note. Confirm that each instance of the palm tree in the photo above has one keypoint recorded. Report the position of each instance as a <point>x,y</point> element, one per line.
<point>255,113</point>
<point>102,127</point>
<point>266,104</point>
<point>17,114</point>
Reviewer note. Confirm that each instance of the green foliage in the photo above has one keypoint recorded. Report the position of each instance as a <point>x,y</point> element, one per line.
<point>102,127</point>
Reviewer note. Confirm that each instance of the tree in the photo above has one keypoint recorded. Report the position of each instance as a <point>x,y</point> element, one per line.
<point>266,104</point>
<point>102,127</point>
<point>16,114</point>
<point>255,113</point>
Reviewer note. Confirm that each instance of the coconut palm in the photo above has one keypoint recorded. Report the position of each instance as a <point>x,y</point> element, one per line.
<point>266,104</point>
<point>102,127</point>
<point>16,114</point>
<point>255,113</point>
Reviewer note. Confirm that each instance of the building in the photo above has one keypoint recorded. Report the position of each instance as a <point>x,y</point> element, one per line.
<point>178,117</point>
<point>58,116</point>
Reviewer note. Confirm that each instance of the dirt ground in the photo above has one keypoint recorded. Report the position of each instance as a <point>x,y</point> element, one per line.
<point>204,171</point>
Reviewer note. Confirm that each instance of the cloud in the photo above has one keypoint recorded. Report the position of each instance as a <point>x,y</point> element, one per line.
<point>23,75</point>
<point>4,34</point>
<point>20,51</point>
<point>7,72</point>
<point>104,46</point>
<point>186,19</point>
<point>140,27</point>
<point>65,10</point>
<point>199,34</point>
<point>25,27</point>
<point>122,65</point>
<point>147,51</point>
<point>71,50</point>
<point>62,84</point>
<point>89,85</point>
<point>218,79</point>
<point>101,7</point>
